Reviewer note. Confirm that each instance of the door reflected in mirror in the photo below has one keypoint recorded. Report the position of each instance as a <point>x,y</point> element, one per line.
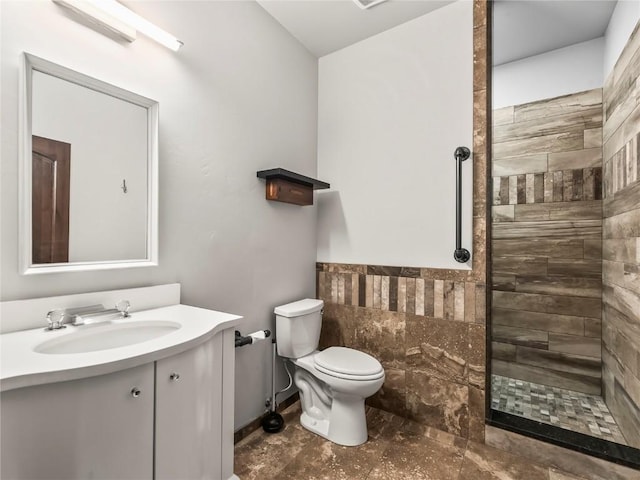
<point>90,179</point>
<point>50,200</point>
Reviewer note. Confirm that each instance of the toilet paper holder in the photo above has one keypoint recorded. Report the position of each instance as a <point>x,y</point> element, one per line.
<point>242,340</point>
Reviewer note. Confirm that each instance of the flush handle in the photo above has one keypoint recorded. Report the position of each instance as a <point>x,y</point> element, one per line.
<point>135,392</point>
<point>174,376</point>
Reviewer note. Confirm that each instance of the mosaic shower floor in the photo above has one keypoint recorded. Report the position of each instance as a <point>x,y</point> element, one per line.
<point>566,409</point>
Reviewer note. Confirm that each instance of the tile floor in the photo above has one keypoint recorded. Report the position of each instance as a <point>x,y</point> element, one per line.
<point>397,449</point>
<point>566,409</point>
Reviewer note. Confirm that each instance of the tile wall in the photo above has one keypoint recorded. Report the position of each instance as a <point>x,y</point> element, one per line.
<point>621,244</point>
<point>546,241</point>
<point>428,332</point>
<point>427,326</point>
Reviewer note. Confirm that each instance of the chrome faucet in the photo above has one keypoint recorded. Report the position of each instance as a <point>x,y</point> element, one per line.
<point>86,315</point>
<point>123,307</point>
<point>97,313</point>
<point>55,318</point>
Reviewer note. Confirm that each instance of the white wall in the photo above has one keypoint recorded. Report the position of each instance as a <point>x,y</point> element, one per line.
<point>392,110</point>
<point>239,97</point>
<point>624,19</point>
<point>108,139</point>
<point>559,72</point>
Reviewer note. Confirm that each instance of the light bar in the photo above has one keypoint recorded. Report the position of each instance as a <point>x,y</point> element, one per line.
<point>119,19</point>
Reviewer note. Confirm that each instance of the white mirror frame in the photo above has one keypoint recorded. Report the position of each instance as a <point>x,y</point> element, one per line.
<point>29,64</point>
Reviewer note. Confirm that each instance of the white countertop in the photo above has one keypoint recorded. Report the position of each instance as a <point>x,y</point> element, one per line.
<point>21,366</point>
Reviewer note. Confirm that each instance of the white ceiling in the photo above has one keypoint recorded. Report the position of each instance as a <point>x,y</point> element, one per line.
<point>522,28</point>
<point>324,26</point>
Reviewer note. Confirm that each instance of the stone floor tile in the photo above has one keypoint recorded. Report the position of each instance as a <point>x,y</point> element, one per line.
<point>416,457</point>
<point>482,462</point>
<point>558,475</point>
<point>262,456</point>
<point>400,449</point>
<point>323,460</point>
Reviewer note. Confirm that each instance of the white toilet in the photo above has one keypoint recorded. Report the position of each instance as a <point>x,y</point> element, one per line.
<point>333,383</point>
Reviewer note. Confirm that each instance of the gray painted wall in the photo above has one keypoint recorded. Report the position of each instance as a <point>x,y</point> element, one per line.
<point>392,110</point>
<point>239,97</point>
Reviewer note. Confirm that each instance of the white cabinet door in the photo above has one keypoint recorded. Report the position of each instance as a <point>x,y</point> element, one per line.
<point>93,428</point>
<point>188,414</point>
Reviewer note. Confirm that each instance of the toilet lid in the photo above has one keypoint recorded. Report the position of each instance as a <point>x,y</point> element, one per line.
<point>347,361</point>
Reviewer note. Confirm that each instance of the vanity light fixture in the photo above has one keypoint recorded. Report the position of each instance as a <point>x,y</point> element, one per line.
<point>364,4</point>
<point>119,19</point>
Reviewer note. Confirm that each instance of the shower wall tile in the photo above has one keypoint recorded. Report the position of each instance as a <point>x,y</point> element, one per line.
<point>586,103</point>
<point>593,138</point>
<point>546,277</point>
<point>556,323</point>
<point>575,160</point>
<point>562,186</point>
<point>621,241</point>
<point>516,165</point>
<point>503,116</point>
<point>560,142</point>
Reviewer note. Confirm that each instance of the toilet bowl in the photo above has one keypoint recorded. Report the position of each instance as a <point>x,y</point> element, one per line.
<point>333,401</point>
<point>334,382</point>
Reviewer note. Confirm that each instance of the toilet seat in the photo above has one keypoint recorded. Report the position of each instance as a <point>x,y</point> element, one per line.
<point>347,363</point>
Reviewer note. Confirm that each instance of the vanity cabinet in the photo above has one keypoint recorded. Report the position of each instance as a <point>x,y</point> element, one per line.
<point>188,420</point>
<point>160,420</point>
<point>98,427</point>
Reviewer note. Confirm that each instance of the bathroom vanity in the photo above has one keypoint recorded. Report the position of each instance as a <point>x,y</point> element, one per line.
<point>160,408</point>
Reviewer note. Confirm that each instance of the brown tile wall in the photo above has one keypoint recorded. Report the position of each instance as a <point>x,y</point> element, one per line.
<point>546,241</point>
<point>621,241</point>
<point>426,326</point>
<point>428,333</point>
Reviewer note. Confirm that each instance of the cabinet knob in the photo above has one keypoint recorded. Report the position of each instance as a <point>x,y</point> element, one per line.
<point>174,376</point>
<point>135,392</point>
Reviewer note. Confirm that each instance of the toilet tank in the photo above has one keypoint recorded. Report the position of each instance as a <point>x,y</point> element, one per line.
<point>298,327</point>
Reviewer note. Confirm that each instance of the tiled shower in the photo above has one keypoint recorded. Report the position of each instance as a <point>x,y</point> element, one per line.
<point>565,281</point>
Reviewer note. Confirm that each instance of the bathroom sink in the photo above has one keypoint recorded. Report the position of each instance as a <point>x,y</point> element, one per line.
<point>38,356</point>
<point>104,336</point>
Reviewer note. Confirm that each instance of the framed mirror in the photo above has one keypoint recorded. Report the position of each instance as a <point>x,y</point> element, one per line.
<point>88,173</point>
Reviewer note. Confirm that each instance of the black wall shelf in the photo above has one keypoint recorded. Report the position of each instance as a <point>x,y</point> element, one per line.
<point>290,187</point>
<point>293,177</point>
